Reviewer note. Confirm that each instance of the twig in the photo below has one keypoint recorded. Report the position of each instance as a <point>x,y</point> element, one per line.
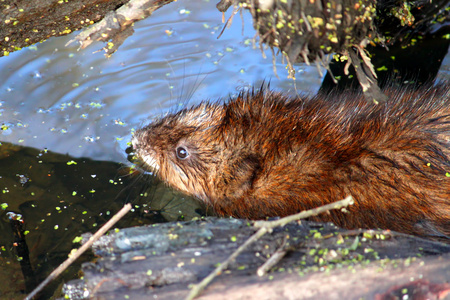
<point>264,227</point>
<point>117,25</point>
<point>229,21</point>
<point>305,214</point>
<point>273,260</point>
<point>80,251</point>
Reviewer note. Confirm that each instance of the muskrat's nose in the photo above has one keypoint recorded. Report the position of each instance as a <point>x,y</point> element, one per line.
<point>134,143</point>
<point>135,148</point>
<point>129,150</point>
<point>136,140</point>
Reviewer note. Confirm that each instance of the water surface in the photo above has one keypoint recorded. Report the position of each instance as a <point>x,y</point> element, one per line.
<point>81,103</point>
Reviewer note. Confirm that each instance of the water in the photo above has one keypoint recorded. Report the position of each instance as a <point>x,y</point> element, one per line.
<point>83,104</point>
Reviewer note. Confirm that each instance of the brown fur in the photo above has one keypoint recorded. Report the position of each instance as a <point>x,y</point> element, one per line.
<point>264,154</point>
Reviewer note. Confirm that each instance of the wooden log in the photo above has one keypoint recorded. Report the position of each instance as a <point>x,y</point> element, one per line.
<point>322,261</point>
<point>23,23</point>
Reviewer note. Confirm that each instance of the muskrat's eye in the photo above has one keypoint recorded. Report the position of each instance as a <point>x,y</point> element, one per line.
<point>182,153</point>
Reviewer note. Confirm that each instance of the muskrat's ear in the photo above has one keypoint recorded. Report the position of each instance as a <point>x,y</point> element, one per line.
<point>239,174</point>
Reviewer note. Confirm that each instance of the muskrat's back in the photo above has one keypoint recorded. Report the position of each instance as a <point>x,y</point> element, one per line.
<point>265,154</point>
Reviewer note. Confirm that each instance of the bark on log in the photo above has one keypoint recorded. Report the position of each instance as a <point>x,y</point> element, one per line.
<point>23,22</point>
<point>161,261</point>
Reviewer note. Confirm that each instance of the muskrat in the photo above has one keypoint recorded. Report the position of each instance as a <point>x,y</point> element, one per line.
<point>264,154</point>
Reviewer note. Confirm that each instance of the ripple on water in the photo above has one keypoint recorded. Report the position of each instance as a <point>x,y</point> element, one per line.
<point>70,101</point>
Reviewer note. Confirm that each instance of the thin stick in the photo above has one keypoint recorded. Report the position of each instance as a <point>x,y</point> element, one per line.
<point>264,227</point>
<point>80,251</point>
<point>273,260</point>
<point>305,214</point>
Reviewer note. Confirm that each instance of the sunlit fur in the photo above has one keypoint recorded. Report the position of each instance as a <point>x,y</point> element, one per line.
<point>265,154</point>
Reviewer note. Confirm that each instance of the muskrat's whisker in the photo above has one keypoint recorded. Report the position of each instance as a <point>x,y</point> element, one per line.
<point>177,203</point>
<point>131,185</point>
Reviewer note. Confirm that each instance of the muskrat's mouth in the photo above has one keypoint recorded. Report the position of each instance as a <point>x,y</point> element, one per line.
<point>147,162</point>
<point>131,156</point>
<point>143,155</point>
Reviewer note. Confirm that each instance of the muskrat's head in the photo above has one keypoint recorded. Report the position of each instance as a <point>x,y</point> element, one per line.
<point>213,151</point>
<point>183,149</point>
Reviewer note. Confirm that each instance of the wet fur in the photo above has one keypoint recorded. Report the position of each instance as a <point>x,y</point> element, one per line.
<point>265,154</point>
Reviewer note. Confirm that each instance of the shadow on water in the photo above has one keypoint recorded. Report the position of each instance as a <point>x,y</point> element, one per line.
<point>48,199</point>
